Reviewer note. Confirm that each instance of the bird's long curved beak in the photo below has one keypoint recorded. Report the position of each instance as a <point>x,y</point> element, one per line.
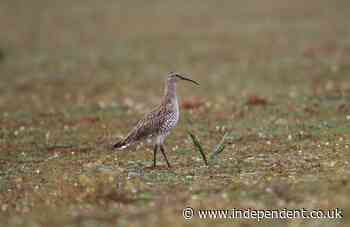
<point>185,78</point>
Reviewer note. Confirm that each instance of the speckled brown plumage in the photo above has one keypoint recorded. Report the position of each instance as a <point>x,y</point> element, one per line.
<point>158,123</point>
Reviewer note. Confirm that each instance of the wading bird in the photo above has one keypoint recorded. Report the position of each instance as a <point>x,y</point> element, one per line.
<point>158,123</point>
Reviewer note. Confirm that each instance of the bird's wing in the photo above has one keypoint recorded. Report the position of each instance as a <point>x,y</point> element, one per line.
<point>149,125</point>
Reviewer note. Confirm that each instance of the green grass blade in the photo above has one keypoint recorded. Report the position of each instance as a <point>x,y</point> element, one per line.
<point>199,147</point>
<point>218,148</point>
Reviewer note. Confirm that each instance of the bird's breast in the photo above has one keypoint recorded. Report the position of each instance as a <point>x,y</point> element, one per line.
<point>171,118</point>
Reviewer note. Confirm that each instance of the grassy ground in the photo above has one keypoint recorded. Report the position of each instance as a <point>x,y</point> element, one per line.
<point>76,75</point>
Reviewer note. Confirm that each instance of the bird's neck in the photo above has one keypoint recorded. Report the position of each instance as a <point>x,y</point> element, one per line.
<point>170,91</point>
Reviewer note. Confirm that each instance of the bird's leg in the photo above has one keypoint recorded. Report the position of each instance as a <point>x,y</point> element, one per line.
<point>164,155</point>
<point>155,155</point>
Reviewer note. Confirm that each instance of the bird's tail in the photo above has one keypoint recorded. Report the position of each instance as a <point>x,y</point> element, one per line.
<point>124,143</point>
<point>135,135</point>
<point>121,145</point>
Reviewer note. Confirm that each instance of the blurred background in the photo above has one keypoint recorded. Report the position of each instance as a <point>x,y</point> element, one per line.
<point>81,52</point>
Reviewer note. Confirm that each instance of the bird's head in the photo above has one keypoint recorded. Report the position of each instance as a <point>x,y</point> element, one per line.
<point>173,77</point>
